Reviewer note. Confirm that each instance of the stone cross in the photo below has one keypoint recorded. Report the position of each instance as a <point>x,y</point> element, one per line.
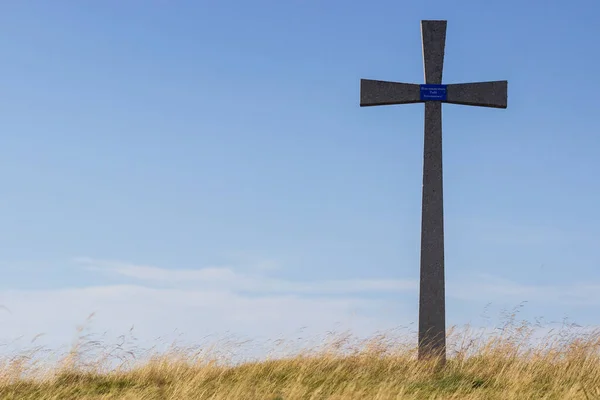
<point>432,307</point>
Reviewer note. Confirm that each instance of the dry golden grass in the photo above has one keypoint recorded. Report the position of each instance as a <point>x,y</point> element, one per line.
<point>501,366</point>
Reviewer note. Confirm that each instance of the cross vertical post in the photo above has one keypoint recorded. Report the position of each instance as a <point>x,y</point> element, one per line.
<point>432,307</point>
<point>432,300</point>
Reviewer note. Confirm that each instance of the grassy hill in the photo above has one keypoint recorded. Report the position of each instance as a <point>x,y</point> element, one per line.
<point>502,366</point>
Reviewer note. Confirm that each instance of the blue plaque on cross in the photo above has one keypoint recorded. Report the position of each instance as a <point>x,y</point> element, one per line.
<point>433,92</point>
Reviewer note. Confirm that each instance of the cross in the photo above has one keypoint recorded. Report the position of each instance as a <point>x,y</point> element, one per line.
<point>432,307</point>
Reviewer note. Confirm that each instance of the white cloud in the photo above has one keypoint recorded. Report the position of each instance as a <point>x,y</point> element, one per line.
<point>199,303</point>
<point>485,286</point>
<point>478,287</point>
<point>505,232</point>
<point>226,278</point>
<point>194,313</point>
<point>217,300</point>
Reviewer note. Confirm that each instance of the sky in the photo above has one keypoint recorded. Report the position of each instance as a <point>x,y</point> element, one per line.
<point>205,167</point>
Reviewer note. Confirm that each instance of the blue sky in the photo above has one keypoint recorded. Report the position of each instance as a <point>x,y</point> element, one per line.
<point>206,165</point>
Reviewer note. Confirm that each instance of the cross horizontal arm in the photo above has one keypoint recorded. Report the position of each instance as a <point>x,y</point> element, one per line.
<point>380,93</point>
<point>481,94</point>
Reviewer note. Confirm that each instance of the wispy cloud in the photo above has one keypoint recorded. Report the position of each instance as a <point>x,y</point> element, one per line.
<point>493,288</point>
<point>500,232</point>
<point>217,300</point>
<point>206,301</point>
<point>227,279</point>
<point>481,287</point>
<point>188,315</point>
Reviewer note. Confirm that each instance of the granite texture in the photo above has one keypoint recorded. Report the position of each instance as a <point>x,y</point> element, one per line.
<point>433,37</point>
<point>481,94</point>
<point>380,93</point>
<point>432,307</point>
<point>432,315</point>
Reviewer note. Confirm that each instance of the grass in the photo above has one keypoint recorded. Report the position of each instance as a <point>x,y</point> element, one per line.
<point>503,365</point>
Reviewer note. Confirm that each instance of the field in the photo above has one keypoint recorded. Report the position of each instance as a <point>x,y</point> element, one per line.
<point>502,366</point>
